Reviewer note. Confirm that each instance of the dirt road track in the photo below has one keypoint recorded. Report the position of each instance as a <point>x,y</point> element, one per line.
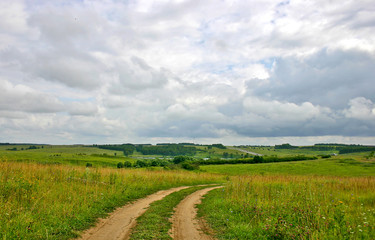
<point>118,225</point>
<point>184,223</point>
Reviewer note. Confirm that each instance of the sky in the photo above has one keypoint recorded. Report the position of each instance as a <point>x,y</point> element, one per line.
<point>214,71</point>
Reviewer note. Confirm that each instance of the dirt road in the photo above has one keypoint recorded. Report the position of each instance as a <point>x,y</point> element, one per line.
<point>184,223</point>
<point>245,151</point>
<point>118,225</point>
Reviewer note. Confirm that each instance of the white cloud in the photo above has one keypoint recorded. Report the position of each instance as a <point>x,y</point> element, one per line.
<point>25,99</point>
<point>360,108</point>
<point>208,70</point>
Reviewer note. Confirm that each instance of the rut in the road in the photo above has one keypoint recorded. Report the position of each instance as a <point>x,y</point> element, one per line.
<point>120,222</point>
<point>184,222</point>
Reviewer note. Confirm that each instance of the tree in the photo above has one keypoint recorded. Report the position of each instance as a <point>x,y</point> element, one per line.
<point>127,164</point>
<point>258,159</point>
<point>154,163</point>
<point>180,159</point>
<point>120,165</point>
<point>141,163</point>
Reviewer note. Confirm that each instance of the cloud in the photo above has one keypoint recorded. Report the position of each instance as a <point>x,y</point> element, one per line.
<point>328,78</point>
<point>361,108</point>
<point>82,108</point>
<point>136,74</point>
<point>230,71</point>
<point>24,99</point>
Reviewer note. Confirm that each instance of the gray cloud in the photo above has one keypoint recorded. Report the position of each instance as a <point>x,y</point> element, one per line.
<point>327,78</point>
<point>120,71</point>
<point>23,99</point>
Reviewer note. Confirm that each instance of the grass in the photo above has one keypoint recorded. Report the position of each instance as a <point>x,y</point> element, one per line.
<point>72,155</point>
<point>58,201</point>
<point>323,167</point>
<point>154,223</point>
<point>286,152</point>
<point>45,193</point>
<point>292,207</point>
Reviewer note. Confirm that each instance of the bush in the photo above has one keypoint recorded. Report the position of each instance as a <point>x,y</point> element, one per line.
<point>127,164</point>
<point>88,164</point>
<point>180,159</point>
<point>189,166</point>
<point>120,165</point>
<point>141,163</point>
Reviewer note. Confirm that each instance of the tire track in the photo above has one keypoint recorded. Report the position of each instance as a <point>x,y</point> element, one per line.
<point>184,222</point>
<point>119,224</point>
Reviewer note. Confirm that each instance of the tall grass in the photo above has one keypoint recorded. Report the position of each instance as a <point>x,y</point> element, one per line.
<point>293,207</point>
<point>56,202</point>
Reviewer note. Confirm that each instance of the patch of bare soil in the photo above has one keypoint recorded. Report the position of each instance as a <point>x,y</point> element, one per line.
<point>184,222</point>
<point>119,224</point>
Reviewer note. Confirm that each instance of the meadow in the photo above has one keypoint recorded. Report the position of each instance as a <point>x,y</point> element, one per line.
<point>322,167</point>
<point>47,192</point>
<point>40,201</point>
<point>292,207</point>
<point>54,154</point>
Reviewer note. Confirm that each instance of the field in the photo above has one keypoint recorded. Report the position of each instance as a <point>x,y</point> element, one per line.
<point>292,207</point>
<point>57,201</point>
<point>47,192</point>
<point>72,155</point>
<point>320,167</point>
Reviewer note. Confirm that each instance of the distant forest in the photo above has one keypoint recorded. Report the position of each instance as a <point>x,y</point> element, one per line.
<point>342,148</point>
<point>164,149</point>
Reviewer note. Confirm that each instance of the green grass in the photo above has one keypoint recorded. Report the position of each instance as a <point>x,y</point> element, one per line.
<point>57,201</point>
<point>45,193</point>
<point>154,223</point>
<point>286,152</point>
<point>215,152</point>
<point>325,167</point>
<point>292,207</point>
<point>71,154</point>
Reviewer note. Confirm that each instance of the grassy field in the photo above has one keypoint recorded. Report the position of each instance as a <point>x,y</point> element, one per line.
<point>285,152</point>
<point>47,193</point>
<point>325,167</point>
<point>72,154</point>
<point>57,201</point>
<point>292,207</point>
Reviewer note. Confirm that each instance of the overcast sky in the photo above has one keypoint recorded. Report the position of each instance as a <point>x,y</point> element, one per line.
<point>235,72</point>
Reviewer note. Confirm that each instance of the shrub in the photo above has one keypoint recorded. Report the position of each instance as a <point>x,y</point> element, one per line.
<point>88,164</point>
<point>127,164</point>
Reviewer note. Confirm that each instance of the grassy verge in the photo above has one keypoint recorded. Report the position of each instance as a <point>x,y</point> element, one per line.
<point>154,223</point>
<point>292,207</point>
<point>57,201</point>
